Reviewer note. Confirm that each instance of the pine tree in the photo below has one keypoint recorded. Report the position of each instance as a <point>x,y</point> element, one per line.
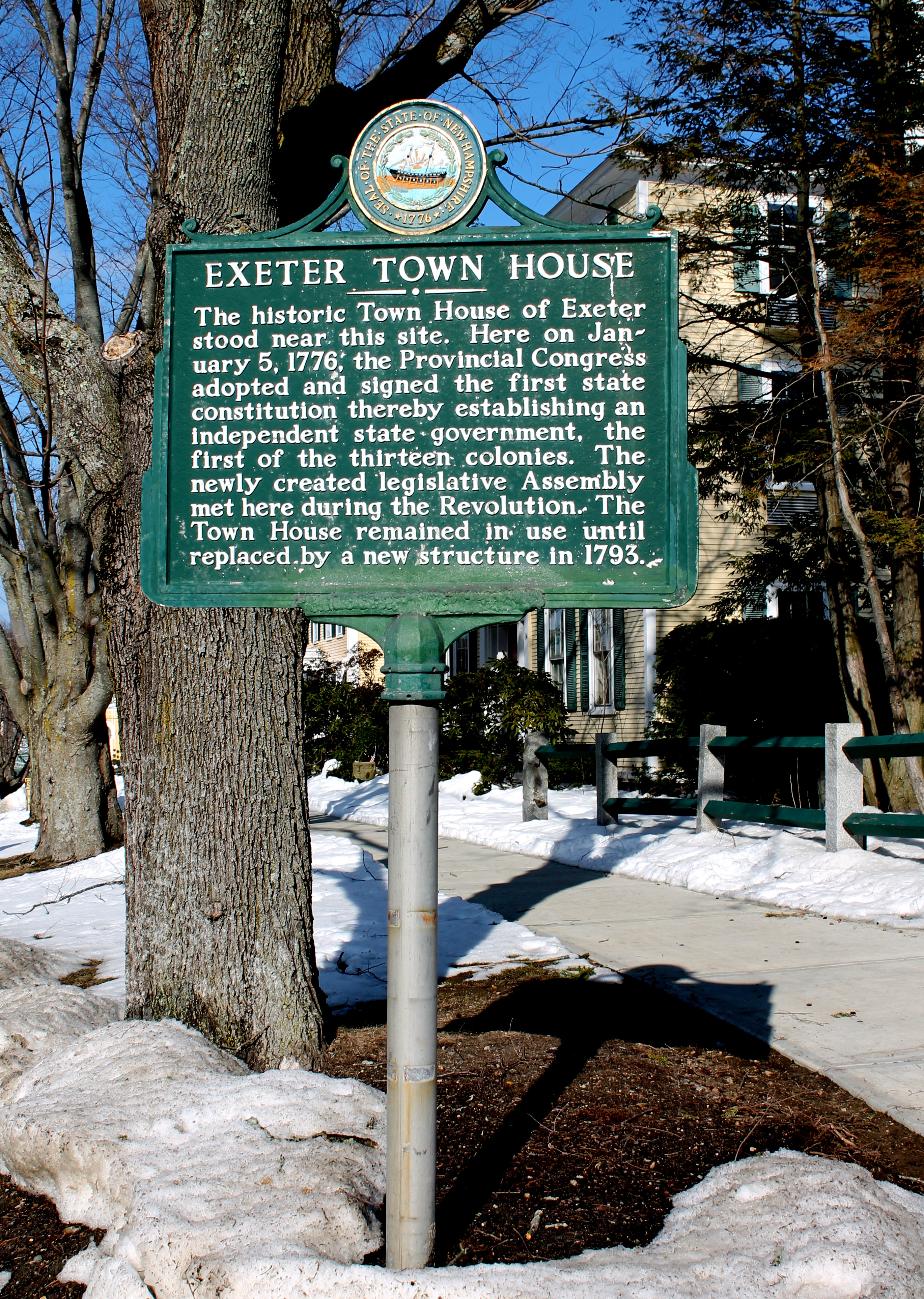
<point>816,109</point>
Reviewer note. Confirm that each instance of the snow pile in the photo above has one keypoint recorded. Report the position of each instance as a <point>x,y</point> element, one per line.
<point>22,965</point>
<point>350,911</point>
<point>39,1015</point>
<point>760,863</point>
<point>815,1230</point>
<point>182,1154</point>
<point>76,912</point>
<point>217,1182</point>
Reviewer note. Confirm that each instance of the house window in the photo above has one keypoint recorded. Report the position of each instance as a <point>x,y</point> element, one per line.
<point>495,641</point>
<point>790,388</point>
<point>601,661</point>
<point>800,606</point>
<point>792,605</point>
<point>782,242</point>
<point>463,654</point>
<point>325,630</point>
<point>555,654</point>
<point>782,248</point>
<point>771,268</point>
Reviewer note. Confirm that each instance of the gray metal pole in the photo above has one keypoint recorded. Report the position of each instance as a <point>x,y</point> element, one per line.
<point>410,1204</point>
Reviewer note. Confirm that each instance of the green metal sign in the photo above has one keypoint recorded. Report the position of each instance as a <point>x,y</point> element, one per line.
<point>425,415</point>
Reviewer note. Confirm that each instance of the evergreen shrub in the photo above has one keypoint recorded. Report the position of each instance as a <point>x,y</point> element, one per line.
<point>485,718</point>
<point>762,676</point>
<point>483,721</point>
<point>345,717</point>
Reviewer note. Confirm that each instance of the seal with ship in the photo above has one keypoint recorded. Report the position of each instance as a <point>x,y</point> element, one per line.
<point>417,168</point>
<point>419,161</point>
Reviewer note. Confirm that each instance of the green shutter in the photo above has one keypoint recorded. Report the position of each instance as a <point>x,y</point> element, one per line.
<point>750,387</point>
<point>619,658</point>
<point>571,660</point>
<point>583,616</point>
<point>836,238</point>
<point>841,287</point>
<point>745,264</point>
<point>540,640</point>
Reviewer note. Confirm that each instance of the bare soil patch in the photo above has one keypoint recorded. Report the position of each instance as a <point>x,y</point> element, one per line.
<point>35,1245</point>
<point>570,1112</point>
<point>86,975</point>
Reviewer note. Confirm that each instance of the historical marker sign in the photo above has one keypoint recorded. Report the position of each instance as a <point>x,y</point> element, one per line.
<point>423,416</point>
<point>420,426</point>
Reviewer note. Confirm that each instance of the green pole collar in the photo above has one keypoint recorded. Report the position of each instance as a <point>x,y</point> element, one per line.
<point>414,660</point>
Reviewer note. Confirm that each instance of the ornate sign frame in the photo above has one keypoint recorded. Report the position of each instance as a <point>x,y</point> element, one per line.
<point>526,444</point>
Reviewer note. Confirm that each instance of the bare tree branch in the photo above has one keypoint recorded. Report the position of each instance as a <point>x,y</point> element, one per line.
<point>105,11</point>
<point>445,50</point>
<point>57,366</point>
<point>864,548</point>
<point>66,897</point>
<point>76,214</point>
<point>133,294</point>
<point>34,540</point>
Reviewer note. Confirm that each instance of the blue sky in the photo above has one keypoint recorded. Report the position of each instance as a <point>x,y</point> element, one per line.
<point>571,59</point>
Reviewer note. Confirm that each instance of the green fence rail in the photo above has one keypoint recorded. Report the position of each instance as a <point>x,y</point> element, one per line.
<point>844,749</point>
<point>905,825</point>
<point>887,746</point>
<point>655,806</point>
<point>808,818</point>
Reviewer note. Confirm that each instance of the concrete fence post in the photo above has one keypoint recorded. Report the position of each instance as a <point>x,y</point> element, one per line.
<point>711,778</point>
<point>843,785</point>
<point>535,779</point>
<point>607,780</point>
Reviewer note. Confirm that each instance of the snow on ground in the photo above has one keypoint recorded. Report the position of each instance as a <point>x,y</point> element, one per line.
<point>79,910</point>
<point>215,1182</point>
<point>761,863</point>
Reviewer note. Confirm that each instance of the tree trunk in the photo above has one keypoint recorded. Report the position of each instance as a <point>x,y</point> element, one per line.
<point>71,789</point>
<point>849,649</point>
<point>218,878</point>
<point>893,46</point>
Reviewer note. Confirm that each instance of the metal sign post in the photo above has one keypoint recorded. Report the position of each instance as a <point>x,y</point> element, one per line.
<point>414,670</point>
<point>410,1188</point>
<point>418,428</point>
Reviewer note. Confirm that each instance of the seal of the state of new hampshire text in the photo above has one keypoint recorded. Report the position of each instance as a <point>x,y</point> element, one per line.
<point>417,168</point>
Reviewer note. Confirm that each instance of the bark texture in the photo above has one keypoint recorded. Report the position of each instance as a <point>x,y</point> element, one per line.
<point>218,881</point>
<point>54,669</point>
<point>218,872</point>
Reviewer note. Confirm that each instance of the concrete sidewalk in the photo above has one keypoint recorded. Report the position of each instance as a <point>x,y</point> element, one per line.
<point>843,998</point>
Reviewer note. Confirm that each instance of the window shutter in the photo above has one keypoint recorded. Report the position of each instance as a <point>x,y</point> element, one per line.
<point>750,387</point>
<point>571,660</point>
<point>619,658</point>
<point>583,617</point>
<point>745,265</point>
<point>540,640</point>
<point>839,287</point>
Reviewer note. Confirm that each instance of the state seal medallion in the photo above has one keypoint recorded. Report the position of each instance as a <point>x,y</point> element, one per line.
<point>417,168</point>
